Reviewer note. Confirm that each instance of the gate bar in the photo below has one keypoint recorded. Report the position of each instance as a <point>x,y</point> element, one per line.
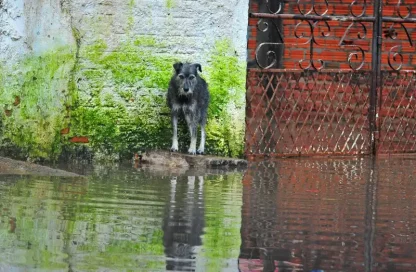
<point>330,18</point>
<point>376,71</point>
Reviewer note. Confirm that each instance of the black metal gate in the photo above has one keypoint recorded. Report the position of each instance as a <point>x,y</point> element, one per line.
<point>331,77</point>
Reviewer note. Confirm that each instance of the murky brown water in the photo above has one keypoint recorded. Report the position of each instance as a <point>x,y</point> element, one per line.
<point>288,215</point>
<point>329,215</point>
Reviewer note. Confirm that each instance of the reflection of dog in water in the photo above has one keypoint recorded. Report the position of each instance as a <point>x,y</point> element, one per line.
<point>184,222</point>
<point>188,95</point>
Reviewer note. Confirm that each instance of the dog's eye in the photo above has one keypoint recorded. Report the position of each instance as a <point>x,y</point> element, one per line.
<point>191,77</point>
<point>181,77</point>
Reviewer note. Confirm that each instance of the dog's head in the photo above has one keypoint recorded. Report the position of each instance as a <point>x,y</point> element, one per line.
<point>186,76</point>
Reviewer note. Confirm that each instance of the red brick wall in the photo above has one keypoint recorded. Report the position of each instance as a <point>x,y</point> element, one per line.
<point>328,48</point>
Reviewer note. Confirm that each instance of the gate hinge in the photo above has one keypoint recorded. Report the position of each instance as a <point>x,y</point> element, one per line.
<point>379,40</point>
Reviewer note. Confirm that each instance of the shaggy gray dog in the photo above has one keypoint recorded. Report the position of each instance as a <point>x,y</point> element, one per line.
<point>188,95</point>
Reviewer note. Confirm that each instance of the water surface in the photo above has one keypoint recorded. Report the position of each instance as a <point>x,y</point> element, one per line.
<point>286,215</point>
<point>329,215</point>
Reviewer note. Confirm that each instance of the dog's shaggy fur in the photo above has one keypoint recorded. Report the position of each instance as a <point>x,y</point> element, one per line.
<point>188,94</point>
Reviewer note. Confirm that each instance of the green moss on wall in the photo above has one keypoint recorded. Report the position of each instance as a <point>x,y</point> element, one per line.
<point>130,18</point>
<point>33,103</point>
<point>122,104</point>
<point>225,130</point>
<point>133,63</point>
<point>124,109</point>
<point>116,98</point>
<point>131,3</point>
<point>170,4</point>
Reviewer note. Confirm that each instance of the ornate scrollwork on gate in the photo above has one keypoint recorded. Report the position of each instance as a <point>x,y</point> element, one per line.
<point>312,16</point>
<point>399,12</point>
<point>264,26</point>
<point>358,54</point>
<point>395,54</point>
<point>279,8</point>
<point>356,3</point>
<point>313,9</point>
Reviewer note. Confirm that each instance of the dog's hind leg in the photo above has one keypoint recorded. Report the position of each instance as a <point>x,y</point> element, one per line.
<point>174,147</point>
<point>201,148</point>
<point>203,122</point>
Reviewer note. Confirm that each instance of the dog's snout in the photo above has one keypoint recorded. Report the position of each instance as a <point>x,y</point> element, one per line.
<point>185,90</point>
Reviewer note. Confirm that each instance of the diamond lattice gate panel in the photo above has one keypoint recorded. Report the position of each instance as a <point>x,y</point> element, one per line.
<point>397,114</point>
<point>307,113</point>
<point>330,77</point>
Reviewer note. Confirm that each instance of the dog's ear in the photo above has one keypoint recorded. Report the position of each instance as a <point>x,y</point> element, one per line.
<point>177,66</point>
<point>198,67</point>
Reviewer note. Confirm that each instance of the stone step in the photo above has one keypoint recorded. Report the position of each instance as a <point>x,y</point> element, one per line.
<point>171,159</point>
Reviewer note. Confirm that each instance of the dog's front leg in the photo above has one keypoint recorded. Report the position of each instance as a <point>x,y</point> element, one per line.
<point>192,125</point>
<point>201,148</point>
<point>174,147</point>
<point>192,146</point>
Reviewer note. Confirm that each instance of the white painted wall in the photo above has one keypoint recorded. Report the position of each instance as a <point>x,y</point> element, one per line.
<point>189,27</point>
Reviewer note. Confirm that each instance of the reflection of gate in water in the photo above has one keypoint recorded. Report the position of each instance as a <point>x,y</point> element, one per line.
<point>331,77</point>
<point>329,215</point>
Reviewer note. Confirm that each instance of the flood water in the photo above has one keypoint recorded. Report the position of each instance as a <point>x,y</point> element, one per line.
<point>286,215</point>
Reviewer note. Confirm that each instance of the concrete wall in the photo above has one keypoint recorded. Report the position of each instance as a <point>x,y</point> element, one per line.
<point>93,72</point>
